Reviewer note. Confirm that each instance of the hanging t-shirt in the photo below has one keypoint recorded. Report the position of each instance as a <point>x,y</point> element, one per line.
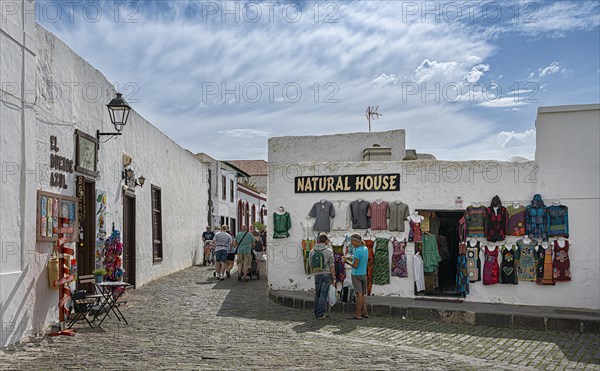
<point>323,211</point>
<point>340,221</point>
<point>516,220</point>
<point>397,212</point>
<point>358,214</point>
<point>377,212</point>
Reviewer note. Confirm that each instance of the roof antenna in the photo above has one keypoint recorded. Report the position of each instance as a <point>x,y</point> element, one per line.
<point>372,114</point>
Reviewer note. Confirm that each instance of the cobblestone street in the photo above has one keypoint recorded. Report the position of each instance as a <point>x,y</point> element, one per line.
<point>189,320</point>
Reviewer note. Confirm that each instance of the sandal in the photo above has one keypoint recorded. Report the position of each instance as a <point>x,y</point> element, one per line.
<point>365,316</point>
<point>354,317</point>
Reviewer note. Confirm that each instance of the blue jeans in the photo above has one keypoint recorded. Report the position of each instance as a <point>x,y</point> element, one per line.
<point>322,283</point>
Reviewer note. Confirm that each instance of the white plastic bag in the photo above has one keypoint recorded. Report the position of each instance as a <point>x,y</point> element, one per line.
<point>332,298</point>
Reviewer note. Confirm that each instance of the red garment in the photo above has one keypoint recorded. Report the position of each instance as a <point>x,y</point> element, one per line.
<point>370,265</point>
<point>562,265</point>
<point>377,213</point>
<point>496,224</point>
<point>491,270</point>
<point>415,234</point>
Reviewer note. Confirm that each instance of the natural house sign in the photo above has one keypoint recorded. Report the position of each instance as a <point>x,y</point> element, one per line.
<point>347,183</point>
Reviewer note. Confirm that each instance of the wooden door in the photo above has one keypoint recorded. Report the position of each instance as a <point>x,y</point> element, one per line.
<point>129,239</point>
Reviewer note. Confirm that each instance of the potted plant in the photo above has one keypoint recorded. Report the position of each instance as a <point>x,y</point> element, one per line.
<point>99,274</point>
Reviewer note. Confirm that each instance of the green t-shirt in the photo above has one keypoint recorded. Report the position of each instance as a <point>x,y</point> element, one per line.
<point>244,246</point>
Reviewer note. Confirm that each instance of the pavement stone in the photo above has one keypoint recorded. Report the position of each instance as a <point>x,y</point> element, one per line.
<point>188,320</point>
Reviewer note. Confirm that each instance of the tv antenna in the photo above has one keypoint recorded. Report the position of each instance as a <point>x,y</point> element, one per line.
<point>372,114</point>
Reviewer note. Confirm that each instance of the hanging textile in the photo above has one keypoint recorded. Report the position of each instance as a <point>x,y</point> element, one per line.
<point>370,265</point>
<point>281,225</point>
<point>473,262</point>
<point>475,217</point>
<point>562,266</point>
<point>419,273</point>
<point>558,221</point>
<point>536,222</point>
<point>545,270</point>
<point>462,277</point>
<point>431,256</point>
<point>508,272</point>
<point>527,260</point>
<point>381,269</point>
<point>399,268</point>
<point>113,260</point>
<point>491,271</point>
<point>307,246</point>
<point>340,268</point>
<point>496,221</point>
<point>415,233</point>
<point>516,220</point>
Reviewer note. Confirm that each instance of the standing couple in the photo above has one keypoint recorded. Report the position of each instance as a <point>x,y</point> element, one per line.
<point>322,267</point>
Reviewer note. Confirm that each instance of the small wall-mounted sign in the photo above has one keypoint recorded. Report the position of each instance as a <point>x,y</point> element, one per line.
<point>347,183</point>
<point>59,163</point>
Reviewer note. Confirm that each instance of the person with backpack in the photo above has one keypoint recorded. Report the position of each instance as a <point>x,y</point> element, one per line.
<point>321,264</point>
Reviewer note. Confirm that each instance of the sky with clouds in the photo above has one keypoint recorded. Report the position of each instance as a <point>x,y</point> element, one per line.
<point>464,79</point>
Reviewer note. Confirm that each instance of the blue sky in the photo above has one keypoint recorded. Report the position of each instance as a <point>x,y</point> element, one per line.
<point>464,79</point>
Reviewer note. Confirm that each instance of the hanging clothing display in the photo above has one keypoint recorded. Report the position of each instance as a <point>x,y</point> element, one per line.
<point>323,212</point>
<point>558,221</point>
<point>516,220</point>
<point>397,212</point>
<point>527,260</point>
<point>475,217</point>
<point>281,224</point>
<point>419,273</point>
<point>381,269</point>
<point>545,270</point>
<point>496,221</point>
<point>399,268</point>
<point>462,276</point>
<point>491,271</point>
<point>342,215</point>
<point>431,256</point>
<point>462,229</point>
<point>307,246</point>
<point>415,233</point>
<point>473,262</point>
<point>536,221</point>
<point>113,260</point>
<point>370,265</point>
<point>358,214</point>
<point>377,212</point>
<point>562,265</point>
<point>508,273</point>
<point>340,268</point>
<point>434,224</point>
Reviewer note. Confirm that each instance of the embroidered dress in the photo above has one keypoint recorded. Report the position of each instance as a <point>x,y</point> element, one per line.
<point>508,271</point>
<point>340,268</point>
<point>370,265</point>
<point>475,217</point>
<point>558,221</point>
<point>516,220</point>
<point>536,222</point>
<point>415,233</point>
<point>490,268</point>
<point>545,271</point>
<point>496,223</point>
<point>381,269</point>
<point>473,262</point>
<point>527,261</point>
<point>562,265</point>
<point>462,277</point>
<point>399,259</point>
<point>281,225</point>
<point>307,246</point>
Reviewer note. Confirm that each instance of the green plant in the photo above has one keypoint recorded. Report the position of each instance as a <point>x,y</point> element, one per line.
<point>258,226</point>
<point>99,272</point>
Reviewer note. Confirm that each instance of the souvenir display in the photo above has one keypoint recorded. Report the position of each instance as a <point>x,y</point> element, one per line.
<point>113,260</point>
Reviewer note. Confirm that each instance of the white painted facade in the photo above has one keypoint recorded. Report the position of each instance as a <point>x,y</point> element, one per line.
<point>250,204</point>
<point>566,168</point>
<point>34,64</point>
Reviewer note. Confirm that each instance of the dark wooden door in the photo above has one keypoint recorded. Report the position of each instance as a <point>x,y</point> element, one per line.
<point>87,239</point>
<point>129,238</point>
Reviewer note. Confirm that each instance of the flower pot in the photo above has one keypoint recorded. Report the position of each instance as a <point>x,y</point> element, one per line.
<point>99,279</point>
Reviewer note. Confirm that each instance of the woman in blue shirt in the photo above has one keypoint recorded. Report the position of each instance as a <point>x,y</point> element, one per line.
<point>359,262</point>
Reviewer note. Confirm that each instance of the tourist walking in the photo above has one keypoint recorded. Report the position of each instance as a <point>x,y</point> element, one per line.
<point>359,262</point>
<point>222,242</point>
<point>207,242</point>
<point>322,266</point>
<point>243,242</point>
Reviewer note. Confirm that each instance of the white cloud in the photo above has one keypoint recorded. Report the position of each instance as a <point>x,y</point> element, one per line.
<point>385,80</point>
<point>553,68</point>
<point>516,139</point>
<point>502,102</point>
<point>477,72</point>
<point>431,70</point>
<point>246,133</point>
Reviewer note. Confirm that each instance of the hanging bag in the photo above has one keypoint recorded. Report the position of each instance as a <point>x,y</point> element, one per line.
<point>53,270</point>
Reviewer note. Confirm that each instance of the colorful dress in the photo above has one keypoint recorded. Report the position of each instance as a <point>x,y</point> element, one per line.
<point>545,271</point>
<point>491,271</point>
<point>307,246</point>
<point>431,255</point>
<point>562,265</point>
<point>536,222</point>
<point>415,233</point>
<point>508,271</point>
<point>475,217</point>
<point>558,221</point>
<point>516,220</point>
<point>462,277</point>
<point>381,270</point>
<point>340,268</point>
<point>496,223</point>
<point>370,265</point>
<point>527,261</point>
<point>473,262</point>
<point>399,268</point>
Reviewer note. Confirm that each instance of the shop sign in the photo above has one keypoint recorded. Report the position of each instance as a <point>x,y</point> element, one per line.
<point>347,183</point>
<point>58,163</point>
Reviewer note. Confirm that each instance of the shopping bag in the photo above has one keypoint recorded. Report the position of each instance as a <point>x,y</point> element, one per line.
<point>332,299</point>
<point>262,257</point>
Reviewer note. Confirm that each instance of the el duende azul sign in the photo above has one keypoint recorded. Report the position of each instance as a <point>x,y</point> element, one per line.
<point>347,183</point>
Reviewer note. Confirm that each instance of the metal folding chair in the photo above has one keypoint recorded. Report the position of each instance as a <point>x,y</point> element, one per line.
<point>83,303</point>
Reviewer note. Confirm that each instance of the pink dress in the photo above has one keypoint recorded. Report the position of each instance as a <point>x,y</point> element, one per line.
<point>415,234</point>
<point>491,270</point>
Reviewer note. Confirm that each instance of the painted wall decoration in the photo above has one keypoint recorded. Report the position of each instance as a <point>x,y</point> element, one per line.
<point>100,228</point>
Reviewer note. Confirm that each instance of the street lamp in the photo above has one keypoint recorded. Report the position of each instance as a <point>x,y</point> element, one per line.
<point>118,109</point>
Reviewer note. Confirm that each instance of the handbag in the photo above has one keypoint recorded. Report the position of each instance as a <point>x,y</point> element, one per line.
<point>53,271</point>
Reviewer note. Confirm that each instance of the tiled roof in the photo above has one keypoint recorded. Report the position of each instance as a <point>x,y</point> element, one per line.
<point>252,167</point>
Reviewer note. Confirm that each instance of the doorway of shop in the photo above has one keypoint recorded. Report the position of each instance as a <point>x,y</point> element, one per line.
<point>86,259</point>
<point>443,224</point>
<point>129,238</point>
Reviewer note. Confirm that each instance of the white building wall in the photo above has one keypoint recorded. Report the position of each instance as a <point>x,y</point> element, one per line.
<point>51,108</point>
<point>436,184</point>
